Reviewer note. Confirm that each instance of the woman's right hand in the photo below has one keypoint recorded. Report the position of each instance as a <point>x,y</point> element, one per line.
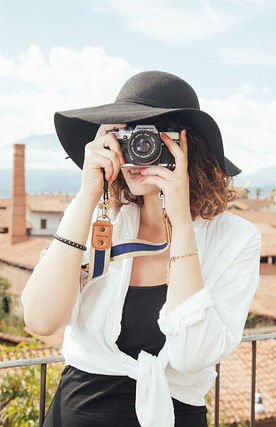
<point>97,157</point>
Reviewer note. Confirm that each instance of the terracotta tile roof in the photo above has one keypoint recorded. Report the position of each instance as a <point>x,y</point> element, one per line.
<point>264,301</point>
<point>56,203</point>
<point>23,254</point>
<point>26,254</point>
<point>235,382</point>
<point>48,202</point>
<point>266,217</point>
<point>28,353</point>
<point>4,218</point>
<point>14,338</point>
<point>4,202</point>
<point>268,244</point>
<point>54,340</point>
<point>266,224</point>
<point>247,204</point>
<point>42,351</point>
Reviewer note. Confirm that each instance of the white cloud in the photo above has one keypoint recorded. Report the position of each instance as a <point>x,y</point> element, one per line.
<point>248,129</point>
<point>66,70</point>
<point>175,22</point>
<point>249,57</point>
<point>6,66</point>
<point>64,80</point>
<point>184,22</point>
<point>252,2</point>
<point>248,88</point>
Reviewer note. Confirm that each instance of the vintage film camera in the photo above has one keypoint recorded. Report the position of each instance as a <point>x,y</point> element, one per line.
<point>143,146</point>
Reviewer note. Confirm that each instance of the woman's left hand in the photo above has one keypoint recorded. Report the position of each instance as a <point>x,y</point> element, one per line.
<point>174,184</point>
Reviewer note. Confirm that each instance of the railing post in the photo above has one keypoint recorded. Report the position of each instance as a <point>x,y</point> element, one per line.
<point>43,370</point>
<point>217,396</point>
<point>253,383</point>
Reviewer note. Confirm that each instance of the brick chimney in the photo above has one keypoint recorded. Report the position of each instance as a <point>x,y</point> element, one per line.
<point>18,229</point>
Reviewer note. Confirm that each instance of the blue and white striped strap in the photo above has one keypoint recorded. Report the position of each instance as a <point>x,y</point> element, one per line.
<point>126,248</point>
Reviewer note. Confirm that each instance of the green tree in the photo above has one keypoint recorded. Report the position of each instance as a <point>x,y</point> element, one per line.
<point>5,298</point>
<point>258,191</point>
<point>9,322</point>
<point>20,387</point>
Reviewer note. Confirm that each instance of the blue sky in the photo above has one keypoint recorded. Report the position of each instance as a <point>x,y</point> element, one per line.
<point>70,54</point>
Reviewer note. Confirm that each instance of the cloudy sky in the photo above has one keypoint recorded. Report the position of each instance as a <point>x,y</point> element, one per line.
<point>61,55</point>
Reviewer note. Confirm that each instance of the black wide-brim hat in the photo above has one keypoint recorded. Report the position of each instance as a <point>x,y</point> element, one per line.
<point>148,94</point>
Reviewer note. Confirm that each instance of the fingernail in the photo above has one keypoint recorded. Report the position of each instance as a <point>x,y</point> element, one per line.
<point>184,132</point>
<point>122,161</point>
<point>164,135</point>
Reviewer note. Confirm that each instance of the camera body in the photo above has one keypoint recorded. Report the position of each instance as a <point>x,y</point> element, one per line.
<point>143,146</point>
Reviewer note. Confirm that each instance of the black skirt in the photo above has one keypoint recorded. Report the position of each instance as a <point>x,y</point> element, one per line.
<point>96,400</point>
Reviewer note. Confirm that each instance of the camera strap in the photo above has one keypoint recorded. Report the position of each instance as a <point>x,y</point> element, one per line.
<point>103,249</point>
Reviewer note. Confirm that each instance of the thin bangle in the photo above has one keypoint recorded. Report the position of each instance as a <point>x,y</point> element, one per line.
<point>70,242</point>
<point>174,258</point>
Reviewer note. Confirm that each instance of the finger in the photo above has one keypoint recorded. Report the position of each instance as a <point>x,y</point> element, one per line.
<point>113,156</point>
<point>183,140</point>
<point>105,163</point>
<point>178,153</point>
<point>172,145</point>
<point>108,140</point>
<point>160,171</point>
<point>105,128</point>
<point>156,180</point>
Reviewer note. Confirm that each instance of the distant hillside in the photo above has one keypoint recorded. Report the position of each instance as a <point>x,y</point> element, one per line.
<point>69,181</point>
<point>42,150</point>
<point>43,181</point>
<point>263,179</point>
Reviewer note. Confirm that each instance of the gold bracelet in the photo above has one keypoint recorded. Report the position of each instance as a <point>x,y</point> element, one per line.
<point>174,258</point>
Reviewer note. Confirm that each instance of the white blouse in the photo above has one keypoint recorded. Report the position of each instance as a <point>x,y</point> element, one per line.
<point>200,332</point>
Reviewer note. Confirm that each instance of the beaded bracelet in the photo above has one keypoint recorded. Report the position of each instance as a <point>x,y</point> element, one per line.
<point>69,242</point>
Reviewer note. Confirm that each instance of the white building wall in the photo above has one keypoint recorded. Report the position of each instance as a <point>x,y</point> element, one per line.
<point>52,222</point>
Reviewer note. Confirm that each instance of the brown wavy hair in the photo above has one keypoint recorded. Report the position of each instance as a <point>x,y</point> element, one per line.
<point>210,189</point>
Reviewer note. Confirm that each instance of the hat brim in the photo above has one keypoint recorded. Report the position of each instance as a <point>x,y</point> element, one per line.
<point>75,128</point>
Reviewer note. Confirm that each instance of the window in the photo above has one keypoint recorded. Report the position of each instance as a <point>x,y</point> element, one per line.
<point>43,223</point>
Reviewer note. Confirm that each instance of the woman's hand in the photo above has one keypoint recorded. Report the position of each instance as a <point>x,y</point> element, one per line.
<point>97,157</point>
<point>174,184</point>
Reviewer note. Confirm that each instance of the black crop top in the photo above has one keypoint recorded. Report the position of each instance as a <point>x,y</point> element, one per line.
<point>139,327</point>
<point>95,394</point>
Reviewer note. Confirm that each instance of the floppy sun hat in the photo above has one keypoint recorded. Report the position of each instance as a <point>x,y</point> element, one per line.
<point>145,95</point>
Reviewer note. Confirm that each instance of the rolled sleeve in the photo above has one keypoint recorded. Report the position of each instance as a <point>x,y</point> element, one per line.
<point>208,326</point>
<point>186,314</point>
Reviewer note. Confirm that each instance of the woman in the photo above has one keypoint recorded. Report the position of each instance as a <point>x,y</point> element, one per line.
<point>143,335</point>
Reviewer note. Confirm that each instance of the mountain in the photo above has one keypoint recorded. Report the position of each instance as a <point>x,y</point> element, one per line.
<point>263,179</point>
<point>43,181</point>
<point>48,171</point>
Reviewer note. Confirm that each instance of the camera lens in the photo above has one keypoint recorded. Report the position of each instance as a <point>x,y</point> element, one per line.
<point>144,147</point>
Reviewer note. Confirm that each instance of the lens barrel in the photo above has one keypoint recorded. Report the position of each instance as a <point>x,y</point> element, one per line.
<point>144,147</point>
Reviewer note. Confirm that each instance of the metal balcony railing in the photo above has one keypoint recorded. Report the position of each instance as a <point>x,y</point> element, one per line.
<point>253,339</point>
<point>43,361</point>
